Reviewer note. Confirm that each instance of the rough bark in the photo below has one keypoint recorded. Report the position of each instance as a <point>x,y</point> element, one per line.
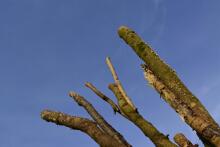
<point>85,125</point>
<point>182,141</point>
<point>159,139</point>
<point>130,111</point>
<point>117,81</point>
<point>172,89</point>
<point>165,81</point>
<point>106,127</point>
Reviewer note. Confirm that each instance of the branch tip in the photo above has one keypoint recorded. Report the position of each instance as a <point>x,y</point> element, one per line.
<point>118,83</point>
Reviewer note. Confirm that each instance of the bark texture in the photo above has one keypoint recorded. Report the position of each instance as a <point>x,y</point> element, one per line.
<point>182,141</point>
<point>106,127</point>
<point>165,80</point>
<point>85,125</point>
<point>159,139</point>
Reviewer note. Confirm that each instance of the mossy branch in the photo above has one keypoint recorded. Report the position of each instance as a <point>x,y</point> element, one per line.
<point>159,139</point>
<point>128,112</point>
<point>131,112</point>
<point>156,65</point>
<point>179,97</point>
<point>165,81</point>
<point>78,123</point>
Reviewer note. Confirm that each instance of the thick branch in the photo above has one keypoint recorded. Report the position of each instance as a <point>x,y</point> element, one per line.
<point>205,142</point>
<point>99,119</point>
<point>158,66</point>
<point>206,126</point>
<point>117,81</point>
<point>189,115</point>
<point>159,139</point>
<point>77,123</point>
<point>182,141</point>
<point>102,96</point>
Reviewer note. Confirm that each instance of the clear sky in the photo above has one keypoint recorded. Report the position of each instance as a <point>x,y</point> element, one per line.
<point>49,47</point>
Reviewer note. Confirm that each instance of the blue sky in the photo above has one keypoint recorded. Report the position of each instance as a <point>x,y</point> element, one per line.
<point>49,47</point>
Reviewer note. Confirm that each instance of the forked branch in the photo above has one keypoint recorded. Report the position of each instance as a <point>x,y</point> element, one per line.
<point>150,131</point>
<point>159,139</point>
<point>103,96</point>
<point>106,127</point>
<point>116,79</point>
<point>78,123</point>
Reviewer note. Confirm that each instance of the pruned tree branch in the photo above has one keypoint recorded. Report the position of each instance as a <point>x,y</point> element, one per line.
<point>133,115</point>
<point>165,81</point>
<point>159,139</point>
<point>78,123</point>
<point>106,127</point>
<point>184,111</point>
<point>173,90</point>
<point>116,79</point>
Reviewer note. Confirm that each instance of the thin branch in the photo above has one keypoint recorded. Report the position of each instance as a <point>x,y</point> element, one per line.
<point>117,81</point>
<point>159,139</point>
<point>107,99</point>
<point>77,123</point>
<point>161,70</point>
<point>99,119</point>
<point>102,96</point>
<point>182,141</point>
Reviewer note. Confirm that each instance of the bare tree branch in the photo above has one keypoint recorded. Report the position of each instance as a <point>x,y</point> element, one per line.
<point>188,114</point>
<point>133,115</point>
<point>165,81</point>
<point>114,74</point>
<point>99,119</point>
<point>102,96</point>
<point>193,111</point>
<point>77,123</point>
<point>159,139</point>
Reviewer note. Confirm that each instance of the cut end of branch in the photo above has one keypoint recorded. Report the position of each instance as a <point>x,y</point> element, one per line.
<point>112,69</point>
<point>118,83</point>
<point>73,94</point>
<point>44,114</point>
<point>87,84</point>
<point>122,30</point>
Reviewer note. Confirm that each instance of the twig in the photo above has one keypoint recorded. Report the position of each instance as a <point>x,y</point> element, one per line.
<point>102,96</point>
<point>99,119</point>
<point>117,81</point>
<point>77,123</point>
